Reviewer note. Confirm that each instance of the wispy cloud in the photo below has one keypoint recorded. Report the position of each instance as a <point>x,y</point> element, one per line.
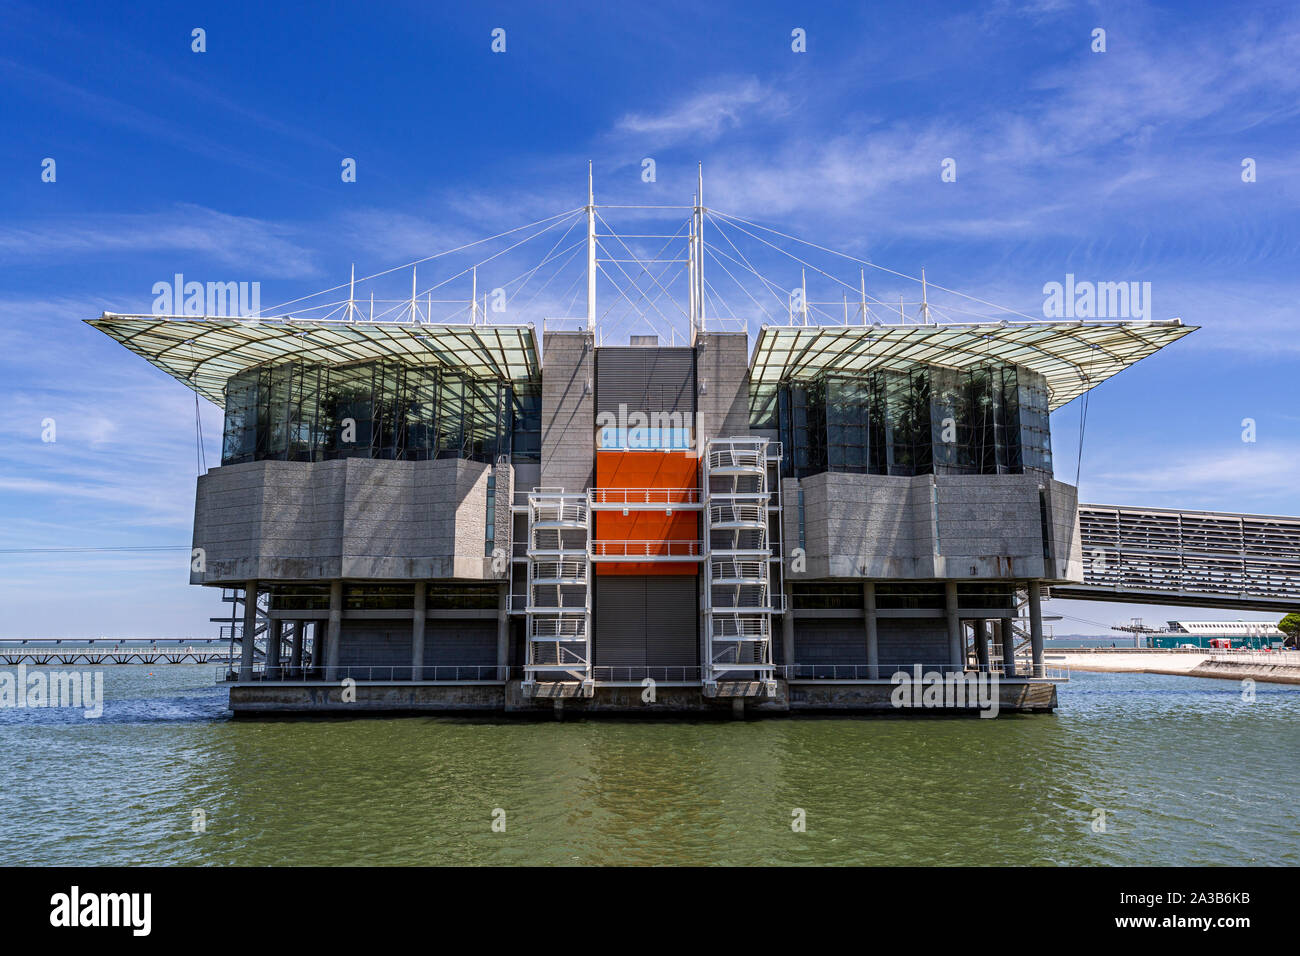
<point>707,114</point>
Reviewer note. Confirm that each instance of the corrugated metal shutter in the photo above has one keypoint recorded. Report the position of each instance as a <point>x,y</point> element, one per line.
<point>830,642</point>
<point>646,621</point>
<point>619,621</point>
<point>465,642</point>
<point>375,643</point>
<point>645,380</point>
<point>908,641</point>
<point>672,621</point>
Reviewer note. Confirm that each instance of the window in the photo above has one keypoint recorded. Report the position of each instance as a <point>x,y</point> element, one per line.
<point>295,411</point>
<point>986,420</point>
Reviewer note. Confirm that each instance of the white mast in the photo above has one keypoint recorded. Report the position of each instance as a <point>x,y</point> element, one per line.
<point>415,308</point>
<point>591,252</point>
<point>803,285</point>
<point>690,269</point>
<point>473,296</point>
<point>925,304</point>
<point>352,293</point>
<point>699,244</point>
<point>862,273</point>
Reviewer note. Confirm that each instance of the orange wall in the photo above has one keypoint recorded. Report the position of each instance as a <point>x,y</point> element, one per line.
<point>647,469</point>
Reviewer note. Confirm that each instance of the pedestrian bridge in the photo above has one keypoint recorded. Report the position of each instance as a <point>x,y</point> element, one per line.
<point>1189,558</point>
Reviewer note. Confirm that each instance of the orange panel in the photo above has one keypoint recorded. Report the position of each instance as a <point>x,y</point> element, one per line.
<point>647,469</point>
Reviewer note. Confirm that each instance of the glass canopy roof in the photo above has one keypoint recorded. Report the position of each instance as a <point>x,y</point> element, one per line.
<point>204,352</point>
<point>1073,355</point>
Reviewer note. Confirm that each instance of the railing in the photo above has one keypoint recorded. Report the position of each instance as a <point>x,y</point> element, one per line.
<point>607,674</point>
<point>754,515</point>
<point>1251,656</point>
<point>547,572</point>
<point>745,572</point>
<point>886,672</point>
<point>384,673</point>
<point>620,497</point>
<point>573,513</point>
<point>747,458</point>
<point>741,627</point>
<point>559,628</point>
<point>641,550</point>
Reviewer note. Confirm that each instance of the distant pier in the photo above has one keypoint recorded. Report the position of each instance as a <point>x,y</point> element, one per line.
<point>41,652</point>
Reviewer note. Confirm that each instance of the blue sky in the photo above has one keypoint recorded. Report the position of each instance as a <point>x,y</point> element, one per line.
<point>224,165</point>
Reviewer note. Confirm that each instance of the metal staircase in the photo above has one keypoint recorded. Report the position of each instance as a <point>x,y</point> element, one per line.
<point>738,559</point>
<point>558,597</point>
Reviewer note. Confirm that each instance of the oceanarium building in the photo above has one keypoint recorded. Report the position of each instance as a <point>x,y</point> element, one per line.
<point>420,515</point>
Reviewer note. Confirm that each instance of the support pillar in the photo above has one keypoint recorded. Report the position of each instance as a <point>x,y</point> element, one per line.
<point>274,635</point>
<point>787,631</point>
<point>982,643</point>
<point>1036,627</point>
<point>295,648</point>
<point>417,630</point>
<point>873,634</point>
<point>334,631</point>
<point>503,631</point>
<point>250,629</point>
<point>956,655</point>
<point>1008,634</point>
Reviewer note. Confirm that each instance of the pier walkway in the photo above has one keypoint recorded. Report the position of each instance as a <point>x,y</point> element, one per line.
<point>1211,559</point>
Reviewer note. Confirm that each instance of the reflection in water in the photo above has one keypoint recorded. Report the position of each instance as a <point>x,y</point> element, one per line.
<point>1185,771</point>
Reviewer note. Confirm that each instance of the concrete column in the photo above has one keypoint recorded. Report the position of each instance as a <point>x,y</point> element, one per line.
<point>1008,647</point>
<point>787,630</point>
<point>250,628</point>
<point>274,634</point>
<point>1036,625</point>
<point>334,631</point>
<point>417,630</point>
<point>295,658</point>
<point>982,643</point>
<point>503,631</point>
<point>873,635</point>
<point>956,655</point>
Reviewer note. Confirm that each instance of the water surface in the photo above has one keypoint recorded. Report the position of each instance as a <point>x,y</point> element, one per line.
<point>1186,772</point>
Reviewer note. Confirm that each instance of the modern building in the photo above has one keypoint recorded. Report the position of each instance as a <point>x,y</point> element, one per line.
<point>1249,634</point>
<point>413,515</point>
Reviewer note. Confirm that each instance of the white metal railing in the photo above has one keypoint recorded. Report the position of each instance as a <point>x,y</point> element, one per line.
<point>642,550</point>
<point>571,512</point>
<point>730,571</point>
<point>544,628</point>
<point>546,571</point>
<point>738,513</point>
<point>654,497</point>
<point>1252,656</point>
<point>741,627</point>
<point>751,459</point>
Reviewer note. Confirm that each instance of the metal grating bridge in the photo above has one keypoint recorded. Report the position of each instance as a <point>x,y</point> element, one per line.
<point>1191,558</point>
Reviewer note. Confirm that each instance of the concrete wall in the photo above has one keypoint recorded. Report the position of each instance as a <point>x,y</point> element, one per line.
<point>350,518</point>
<point>956,526</point>
<point>568,411</point>
<point>722,384</point>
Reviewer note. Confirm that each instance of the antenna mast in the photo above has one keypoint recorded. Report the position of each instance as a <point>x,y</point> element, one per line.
<point>699,245</point>
<point>591,252</point>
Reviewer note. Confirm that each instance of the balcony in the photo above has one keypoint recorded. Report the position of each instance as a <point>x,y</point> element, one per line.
<point>640,551</point>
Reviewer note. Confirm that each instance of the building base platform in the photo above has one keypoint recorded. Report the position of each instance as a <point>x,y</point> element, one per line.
<point>272,698</point>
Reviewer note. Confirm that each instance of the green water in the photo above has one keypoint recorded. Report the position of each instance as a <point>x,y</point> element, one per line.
<point>1186,771</point>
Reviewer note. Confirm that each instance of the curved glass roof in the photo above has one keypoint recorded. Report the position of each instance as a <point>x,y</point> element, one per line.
<point>1073,355</point>
<point>204,352</point>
